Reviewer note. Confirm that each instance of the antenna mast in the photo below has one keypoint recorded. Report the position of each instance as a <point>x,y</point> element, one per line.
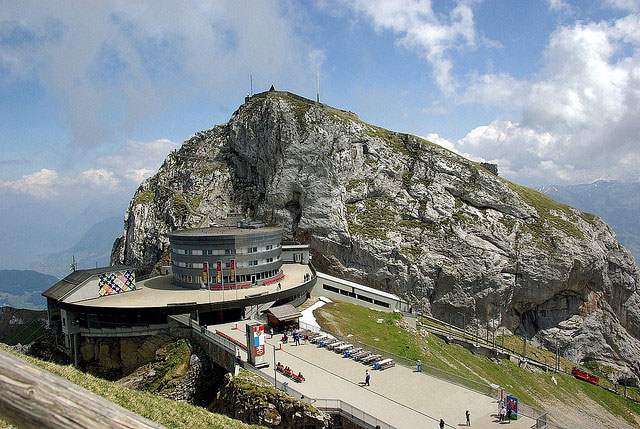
<point>250,84</point>
<point>317,83</point>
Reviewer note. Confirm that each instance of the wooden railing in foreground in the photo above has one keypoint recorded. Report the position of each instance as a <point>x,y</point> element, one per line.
<point>31,397</point>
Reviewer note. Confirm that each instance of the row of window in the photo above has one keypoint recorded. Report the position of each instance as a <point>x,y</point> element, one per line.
<point>354,295</point>
<point>198,252</point>
<point>243,278</point>
<point>226,264</point>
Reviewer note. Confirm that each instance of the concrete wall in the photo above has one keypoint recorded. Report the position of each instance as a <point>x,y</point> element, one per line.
<point>295,253</point>
<point>88,290</point>
<point>216,352</point>
<point>343,290</point>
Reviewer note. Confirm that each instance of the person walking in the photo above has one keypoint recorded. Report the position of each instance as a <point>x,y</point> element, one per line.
<point>367,377</point>
<point>296,337</point>
<point>466,413</point>
<point>441,424</point>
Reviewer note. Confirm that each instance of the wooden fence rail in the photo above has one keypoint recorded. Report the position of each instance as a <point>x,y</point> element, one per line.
<point>31,397</point>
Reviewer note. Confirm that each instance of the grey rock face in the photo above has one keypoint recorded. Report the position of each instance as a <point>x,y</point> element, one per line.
<point>404,215</point>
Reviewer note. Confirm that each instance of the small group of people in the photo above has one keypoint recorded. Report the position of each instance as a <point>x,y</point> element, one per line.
<point>307,277</point>
<point>288,371</point>
<point>296,337</point>
<point>504,412</point>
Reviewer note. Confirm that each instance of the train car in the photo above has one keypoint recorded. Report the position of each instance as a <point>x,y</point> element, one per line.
<point>584,375</point>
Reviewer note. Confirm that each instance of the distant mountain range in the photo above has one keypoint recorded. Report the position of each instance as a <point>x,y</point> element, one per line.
<point>23,288</point>
<point>617,202</point>
<point>92,250</point>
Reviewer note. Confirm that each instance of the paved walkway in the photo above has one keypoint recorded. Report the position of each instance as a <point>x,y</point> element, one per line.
<point>398,395</point>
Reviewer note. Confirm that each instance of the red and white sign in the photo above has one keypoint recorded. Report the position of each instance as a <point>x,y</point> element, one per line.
<point>258,340</point>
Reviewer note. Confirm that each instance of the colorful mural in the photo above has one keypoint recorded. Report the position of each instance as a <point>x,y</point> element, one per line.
<point>117,282</point>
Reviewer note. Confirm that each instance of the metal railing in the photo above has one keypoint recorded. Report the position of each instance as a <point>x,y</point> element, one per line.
<point>489,390</point>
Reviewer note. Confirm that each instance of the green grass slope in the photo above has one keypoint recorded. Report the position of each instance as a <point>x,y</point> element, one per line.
<point>21,326</point>
<point>169,413</point>
<point>565,397</point>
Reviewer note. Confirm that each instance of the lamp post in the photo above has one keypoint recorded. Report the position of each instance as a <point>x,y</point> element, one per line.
<point>275,369</point>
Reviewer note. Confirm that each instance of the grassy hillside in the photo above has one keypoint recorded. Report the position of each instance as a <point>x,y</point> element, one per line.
<point>21,326</point>
<point>169,413</point>
<point>566,398</point>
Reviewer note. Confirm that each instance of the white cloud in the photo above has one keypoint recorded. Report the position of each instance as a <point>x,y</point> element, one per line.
<point>580,118</point>
<point>500,90</point>
<point>98,178</point>
<point>628,5</point>
<point>137,160</point>
<point>445,143</point>
<point>120,172</point>
<point>558,6</point>
<point>420,28</point>
<point>41,184</point>
<point>111,65</point>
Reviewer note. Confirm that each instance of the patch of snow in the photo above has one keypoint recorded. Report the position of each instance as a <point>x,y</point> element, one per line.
<point>307,315</point>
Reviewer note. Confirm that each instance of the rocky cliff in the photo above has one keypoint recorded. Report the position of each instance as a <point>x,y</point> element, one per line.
<point>399,213</point>
<point>251,399</point>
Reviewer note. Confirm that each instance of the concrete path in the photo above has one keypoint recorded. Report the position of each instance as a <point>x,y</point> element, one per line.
<point>398,395</point>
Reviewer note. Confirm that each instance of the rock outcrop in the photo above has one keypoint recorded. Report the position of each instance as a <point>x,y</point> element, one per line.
<point>249,398</point>
<point>404,215</point>
<point>174,373</point>
<point>113,358</point>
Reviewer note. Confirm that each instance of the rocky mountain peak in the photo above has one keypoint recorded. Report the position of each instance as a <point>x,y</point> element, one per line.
<point>404,215</point>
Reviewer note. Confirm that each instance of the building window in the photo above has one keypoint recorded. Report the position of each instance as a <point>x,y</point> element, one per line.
<point>252,250</point>
<point>269,260</point>
<point>331,288</point>
<point>209,252</point>
<point>269,246</point>
<point>254,262</point>
<point>227,251</point>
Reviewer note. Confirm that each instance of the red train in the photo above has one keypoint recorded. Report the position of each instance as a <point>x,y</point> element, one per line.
<point>584,375</point>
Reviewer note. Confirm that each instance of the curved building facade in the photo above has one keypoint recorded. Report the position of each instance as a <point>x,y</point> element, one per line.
<point>235,256</point>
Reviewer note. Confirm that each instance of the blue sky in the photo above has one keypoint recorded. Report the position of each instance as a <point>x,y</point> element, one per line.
<point>95,94</point>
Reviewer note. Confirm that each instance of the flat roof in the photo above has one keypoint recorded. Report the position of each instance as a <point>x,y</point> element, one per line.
<point>295,246</point>
<point>284,312</point>
<point>76,278</point>
<point>359,286</point>
<point>214,231</point>
<point>160,292</point>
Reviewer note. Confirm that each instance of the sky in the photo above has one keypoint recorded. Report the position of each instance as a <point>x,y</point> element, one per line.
<point>94,95</point>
